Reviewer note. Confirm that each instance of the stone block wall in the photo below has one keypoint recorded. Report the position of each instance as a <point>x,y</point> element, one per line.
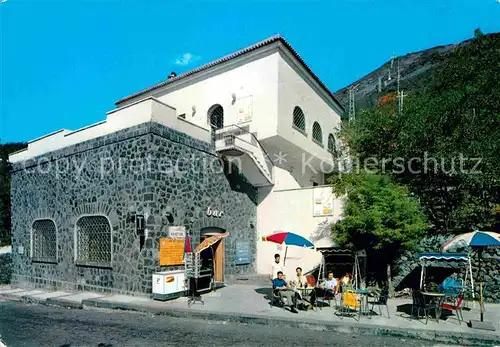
<point>145,169</point>
<point>5,268</point>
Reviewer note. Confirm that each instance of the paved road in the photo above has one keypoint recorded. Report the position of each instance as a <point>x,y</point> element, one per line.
<point>38,325</point>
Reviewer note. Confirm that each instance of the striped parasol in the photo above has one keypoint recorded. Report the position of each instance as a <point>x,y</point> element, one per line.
<point>209,241</point>
<point>474,239</point>
<point>288,239</point>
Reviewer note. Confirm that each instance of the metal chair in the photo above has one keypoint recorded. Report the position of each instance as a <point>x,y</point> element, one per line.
<point>381,300</point>
<point>350,302</point>
<point>311,281</point>
<point>453,303</point>
<point>327,297</point>
<point>419,303</point>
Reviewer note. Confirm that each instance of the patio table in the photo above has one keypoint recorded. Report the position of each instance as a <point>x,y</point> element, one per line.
<point>303,292</point>
<point>437,299</point>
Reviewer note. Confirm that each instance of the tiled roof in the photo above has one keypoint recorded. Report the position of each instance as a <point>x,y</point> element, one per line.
<point>234,55</point>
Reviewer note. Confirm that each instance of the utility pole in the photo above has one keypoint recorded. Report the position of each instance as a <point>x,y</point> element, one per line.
<point>399,77</point>
<point>352,108</point>
<point>402,96</point>
<point>400,93</point>
<point>392,66</point>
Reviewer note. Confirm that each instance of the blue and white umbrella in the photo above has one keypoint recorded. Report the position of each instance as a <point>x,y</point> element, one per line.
<point>473,239</point>
<point>476,239</point>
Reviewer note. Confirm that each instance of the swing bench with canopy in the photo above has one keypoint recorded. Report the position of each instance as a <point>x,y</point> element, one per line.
<point>460,258</point>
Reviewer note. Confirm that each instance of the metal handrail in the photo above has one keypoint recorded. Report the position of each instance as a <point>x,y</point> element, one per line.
<point>244,131</point>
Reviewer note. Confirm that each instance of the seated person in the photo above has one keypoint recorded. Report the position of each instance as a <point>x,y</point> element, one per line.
<point>329,286</point>
<point>281,287</point>
<point>346,280</point>
<point>300,280</point>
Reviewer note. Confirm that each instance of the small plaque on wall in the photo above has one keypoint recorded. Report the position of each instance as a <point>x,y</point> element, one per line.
<point>243,253</point>
<point>177,232</point>
<point>171,252</point>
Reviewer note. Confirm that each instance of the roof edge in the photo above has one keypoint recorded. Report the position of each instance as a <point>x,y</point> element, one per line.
<point>256,46</point>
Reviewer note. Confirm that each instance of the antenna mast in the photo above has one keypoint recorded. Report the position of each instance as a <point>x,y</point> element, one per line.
<point>400,93</point>
<point>352,108</point>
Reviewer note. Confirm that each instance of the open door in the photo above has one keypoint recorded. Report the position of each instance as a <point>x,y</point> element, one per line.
<point>219,261</point>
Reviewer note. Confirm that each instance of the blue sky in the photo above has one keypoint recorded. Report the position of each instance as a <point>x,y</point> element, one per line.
<point>65,62</point>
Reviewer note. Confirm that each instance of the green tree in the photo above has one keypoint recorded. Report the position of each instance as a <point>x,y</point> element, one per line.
<point>444,131</point>
<point>379,216</point>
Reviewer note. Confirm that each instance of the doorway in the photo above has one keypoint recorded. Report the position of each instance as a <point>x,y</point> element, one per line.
<point>213,257</point>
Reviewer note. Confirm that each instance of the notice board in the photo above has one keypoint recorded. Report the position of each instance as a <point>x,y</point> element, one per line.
<point>243,253</point>
<point>171,252</point>
<point>322,202</point>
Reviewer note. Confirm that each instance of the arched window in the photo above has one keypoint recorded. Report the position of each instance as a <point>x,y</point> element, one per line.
<point>93,241</point>
<point>317,133</point>
<point>299,120</point>
<point>331,144</point>
<point>216,117</point>
<point>44,240</point>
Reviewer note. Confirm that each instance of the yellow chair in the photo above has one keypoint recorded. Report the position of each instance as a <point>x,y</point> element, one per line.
<point>350,302</point>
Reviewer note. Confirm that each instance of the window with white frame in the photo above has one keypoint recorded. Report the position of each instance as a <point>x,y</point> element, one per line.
<point>299,120</point>
<point>317,134</point>
<point>44,240</point>
<point>93,241</point>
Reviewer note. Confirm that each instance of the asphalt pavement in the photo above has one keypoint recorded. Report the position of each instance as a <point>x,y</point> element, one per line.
<point>23,324</point>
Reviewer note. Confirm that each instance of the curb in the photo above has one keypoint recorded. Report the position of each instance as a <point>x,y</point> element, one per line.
<point>353,328</point>
<point>50,301</point>
<point>468,339</point>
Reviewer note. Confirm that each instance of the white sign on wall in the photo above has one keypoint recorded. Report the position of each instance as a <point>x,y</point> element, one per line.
<point>322,202</point>
<point>211,212</point>
<point>20,249</point>
<point>177,232</point>
<point>244,109</point>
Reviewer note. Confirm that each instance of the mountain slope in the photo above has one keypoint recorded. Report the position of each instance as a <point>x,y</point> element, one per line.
<point>415,69</point>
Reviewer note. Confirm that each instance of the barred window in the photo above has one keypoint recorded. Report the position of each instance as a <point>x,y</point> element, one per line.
<point>93,241</point>
<point>299,120</point>
<point>331,144</point>
<point>43,241</point>
<point>317,133</point>
<point>216,117</point>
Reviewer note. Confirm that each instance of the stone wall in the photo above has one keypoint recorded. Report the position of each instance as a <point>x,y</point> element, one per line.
<point>5,268</point>
<point>147,169</point>
<point>490,265</point>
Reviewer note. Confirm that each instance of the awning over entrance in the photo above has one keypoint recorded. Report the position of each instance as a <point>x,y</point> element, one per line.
<point>209,241</point>
<point>444,256</point>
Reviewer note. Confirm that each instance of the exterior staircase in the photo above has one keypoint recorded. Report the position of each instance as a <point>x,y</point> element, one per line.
<point>244,149</point>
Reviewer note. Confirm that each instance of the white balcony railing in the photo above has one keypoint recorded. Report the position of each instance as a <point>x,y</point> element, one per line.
<point>233,139</point>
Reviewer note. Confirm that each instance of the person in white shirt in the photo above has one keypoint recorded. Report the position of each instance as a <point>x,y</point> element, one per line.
<point>300,279</point>
<point>328,287</point>
<point>276,267</point>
